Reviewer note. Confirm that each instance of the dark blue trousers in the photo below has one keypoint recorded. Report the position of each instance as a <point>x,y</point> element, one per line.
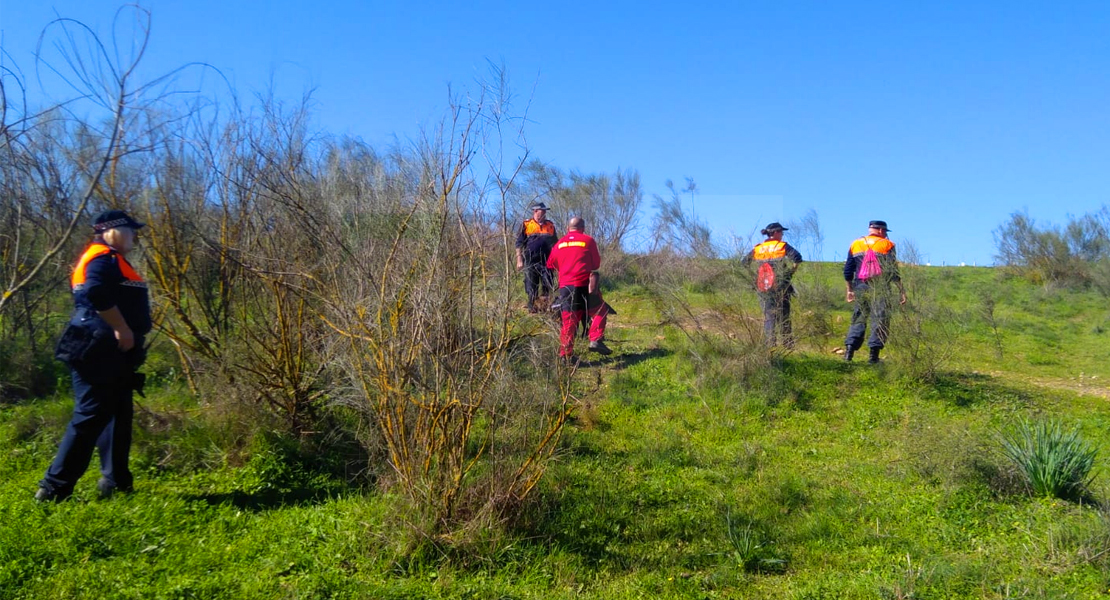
<point>872,304</point>
<point>538,281</point>
<point>776,317</point>
<point>102,419</point>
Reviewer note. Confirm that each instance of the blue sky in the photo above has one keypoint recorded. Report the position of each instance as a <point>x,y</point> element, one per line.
<point>941,118</point>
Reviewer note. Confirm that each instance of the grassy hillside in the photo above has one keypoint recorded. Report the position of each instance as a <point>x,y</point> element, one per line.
<point>695,468</point>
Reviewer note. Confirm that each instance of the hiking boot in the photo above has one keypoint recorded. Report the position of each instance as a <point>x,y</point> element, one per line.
<point>600,347</point>
<point>874,358</point>
<point>106,489</point>
<point>848,353</point>
<point>45,495</point>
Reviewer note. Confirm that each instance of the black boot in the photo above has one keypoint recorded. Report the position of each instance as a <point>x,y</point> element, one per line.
<point>848,353</point>
<point>874,359</point>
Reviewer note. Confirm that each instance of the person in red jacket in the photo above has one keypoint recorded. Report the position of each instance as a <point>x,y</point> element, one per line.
<point>576,259</point>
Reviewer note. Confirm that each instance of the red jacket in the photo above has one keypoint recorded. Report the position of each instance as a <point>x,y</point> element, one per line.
<point>575,256</point>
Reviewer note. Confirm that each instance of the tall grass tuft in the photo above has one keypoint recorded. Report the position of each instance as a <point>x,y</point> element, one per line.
<point>1056,463</point>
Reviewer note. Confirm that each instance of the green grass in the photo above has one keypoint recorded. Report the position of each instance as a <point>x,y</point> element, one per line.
<point>682,476</point>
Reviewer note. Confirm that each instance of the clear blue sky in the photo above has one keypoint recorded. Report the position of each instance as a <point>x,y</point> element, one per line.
<point>941,119</point>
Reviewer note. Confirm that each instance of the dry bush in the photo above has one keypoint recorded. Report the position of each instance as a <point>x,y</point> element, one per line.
<point>57,167</point>
<point>238,244</point>
<point>610,204</point>
<point>818,297</point>
<point>723,332</point>
<point>923,332</point>
<point>428,339</point>
<point>1052,256</point>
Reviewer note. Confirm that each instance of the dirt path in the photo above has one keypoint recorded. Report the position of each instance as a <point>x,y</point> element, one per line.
<point>1091,385</point>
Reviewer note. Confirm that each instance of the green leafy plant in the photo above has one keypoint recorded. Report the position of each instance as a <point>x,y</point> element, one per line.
<point>1055,462</point>
<point>751,551</point>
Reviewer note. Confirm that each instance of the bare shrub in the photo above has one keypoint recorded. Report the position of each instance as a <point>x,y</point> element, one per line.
<point>610,204</point>
<point>808,236</point>
<point>1052,256</point>
<point>819,291</point>
<point>56,167</point>
<point>819,296</point>
<point>428,338</point>
<point>676,231</point>
<point>924,331</point>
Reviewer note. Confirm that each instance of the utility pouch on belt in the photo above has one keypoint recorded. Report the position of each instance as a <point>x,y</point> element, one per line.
<point>564,296</point>
<point>77,344</point>
<point>93,352</point>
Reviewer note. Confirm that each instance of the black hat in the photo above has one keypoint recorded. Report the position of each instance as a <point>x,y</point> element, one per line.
<point>538,206</point>
<point>879,225</point>
<point>775,226</point>
<point>111,219</point>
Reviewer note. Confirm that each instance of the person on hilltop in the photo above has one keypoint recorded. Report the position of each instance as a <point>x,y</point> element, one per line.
<point>775,262</point>
<point>577,261</point>
<point>871,271</point>
<point>534,241</point>
<point>103,346</point>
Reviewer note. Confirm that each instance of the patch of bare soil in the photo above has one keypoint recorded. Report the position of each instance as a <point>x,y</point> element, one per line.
<point>1085,385</point>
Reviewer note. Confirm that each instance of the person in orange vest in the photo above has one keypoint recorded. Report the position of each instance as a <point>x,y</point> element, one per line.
<point>533,246</point>
<point>103,346</point>
<point>775,262</point>
<point>871,270</point>
<point>577,260</point>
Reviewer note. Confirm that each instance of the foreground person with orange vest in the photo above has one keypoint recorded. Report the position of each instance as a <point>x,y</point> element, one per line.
<point>577,260</point>
<point>775,262</point>
<point>103,346</point>
<point>870,271</point>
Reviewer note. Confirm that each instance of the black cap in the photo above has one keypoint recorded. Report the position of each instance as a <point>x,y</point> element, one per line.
<point>538,206</point>
<point>111,219</point>
<point>772,227</point>
<point>879,225</point>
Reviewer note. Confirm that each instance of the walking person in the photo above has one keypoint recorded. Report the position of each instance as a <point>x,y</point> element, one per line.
<point>103,345</point>
<point>775,262</point>
<point>577,261</point>
<point>871,273</point>
<point>534,241</point>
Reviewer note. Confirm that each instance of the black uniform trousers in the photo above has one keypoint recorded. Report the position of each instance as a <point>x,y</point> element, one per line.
<point>102,419</point>
<point>538,281</point>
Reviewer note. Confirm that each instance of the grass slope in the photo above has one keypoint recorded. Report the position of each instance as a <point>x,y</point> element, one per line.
<point>681,477</point>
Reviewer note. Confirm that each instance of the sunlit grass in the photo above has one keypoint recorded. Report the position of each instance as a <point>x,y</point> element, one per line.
<point>803,478</point>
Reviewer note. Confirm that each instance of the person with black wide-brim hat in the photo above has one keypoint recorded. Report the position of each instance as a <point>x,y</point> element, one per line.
<point>871,271</point>
<point>775,262</point>
<point>103,346</point>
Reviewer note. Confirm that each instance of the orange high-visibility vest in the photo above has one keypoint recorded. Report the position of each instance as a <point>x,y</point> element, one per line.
<point>77,280</point>
<point>769,250</point>
<point>874,242</point>
<point>531,227</point>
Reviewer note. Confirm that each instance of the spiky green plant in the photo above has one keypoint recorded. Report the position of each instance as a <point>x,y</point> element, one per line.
<point>1055,462</point>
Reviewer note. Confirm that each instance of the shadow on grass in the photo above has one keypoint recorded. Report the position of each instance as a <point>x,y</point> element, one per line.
<point>262,501</point>
<point>971,389</point>
<point>624,361</point>
<point>621,361</point>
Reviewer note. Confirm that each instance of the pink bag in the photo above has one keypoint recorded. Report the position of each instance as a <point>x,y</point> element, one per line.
<point>870,266</point>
